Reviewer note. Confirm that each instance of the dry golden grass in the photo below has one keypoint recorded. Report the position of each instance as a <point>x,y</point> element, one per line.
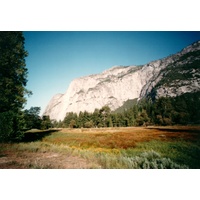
<point>20,156</point>
<point>102,147</point>
<point>124,138</point>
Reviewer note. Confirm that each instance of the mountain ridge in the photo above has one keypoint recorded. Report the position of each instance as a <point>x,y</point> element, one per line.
<point>118,84</point>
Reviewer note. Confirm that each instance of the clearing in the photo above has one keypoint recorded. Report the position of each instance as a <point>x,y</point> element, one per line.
<point>132,147</point>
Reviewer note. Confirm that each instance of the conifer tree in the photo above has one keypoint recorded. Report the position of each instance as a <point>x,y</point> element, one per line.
<point>13,79</point>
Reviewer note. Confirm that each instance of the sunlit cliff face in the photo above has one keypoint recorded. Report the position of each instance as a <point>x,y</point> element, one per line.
<point>116,85</point>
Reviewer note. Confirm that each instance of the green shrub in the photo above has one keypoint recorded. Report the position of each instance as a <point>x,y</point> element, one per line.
<point>153,160</point>
<point>89,124</point>
<point>146,160</point>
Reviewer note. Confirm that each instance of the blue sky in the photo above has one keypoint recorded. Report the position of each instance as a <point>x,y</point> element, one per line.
<point>57,57</point>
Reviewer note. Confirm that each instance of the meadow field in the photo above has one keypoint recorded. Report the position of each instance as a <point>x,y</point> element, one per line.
<point>169,147</point>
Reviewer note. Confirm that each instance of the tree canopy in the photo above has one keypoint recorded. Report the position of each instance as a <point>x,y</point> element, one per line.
<point>32,118</point>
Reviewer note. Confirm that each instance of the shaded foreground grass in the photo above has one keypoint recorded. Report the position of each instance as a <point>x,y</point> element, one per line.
<point>154,147</point>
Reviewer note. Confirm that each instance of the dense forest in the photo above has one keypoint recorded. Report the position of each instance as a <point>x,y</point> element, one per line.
<point>183,110</point>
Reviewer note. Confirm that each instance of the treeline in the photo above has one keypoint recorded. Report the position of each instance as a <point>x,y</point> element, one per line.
<point>32,119</point>
<point>183,110</point>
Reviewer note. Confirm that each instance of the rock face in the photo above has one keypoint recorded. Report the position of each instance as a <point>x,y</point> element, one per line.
<point>175,75</point>
<point>170,76</point>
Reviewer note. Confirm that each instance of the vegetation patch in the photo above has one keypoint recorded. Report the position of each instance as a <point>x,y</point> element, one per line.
<point>108,148</point>
<point>181,70</point>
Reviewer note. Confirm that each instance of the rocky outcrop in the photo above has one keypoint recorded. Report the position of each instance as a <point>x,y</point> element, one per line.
<point>118,84</point>
<point>176,74</point>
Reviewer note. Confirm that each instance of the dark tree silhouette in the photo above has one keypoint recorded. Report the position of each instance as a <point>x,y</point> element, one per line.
<point>13,79</point>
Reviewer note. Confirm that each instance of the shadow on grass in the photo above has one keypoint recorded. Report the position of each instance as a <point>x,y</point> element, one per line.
<point>180,130</point>
<point>188,134</point>
<point>31,136</point>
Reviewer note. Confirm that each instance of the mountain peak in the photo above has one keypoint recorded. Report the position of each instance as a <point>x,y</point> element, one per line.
<point>170,76</point>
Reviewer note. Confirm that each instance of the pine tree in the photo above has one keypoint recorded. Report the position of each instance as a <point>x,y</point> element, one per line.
<point>13,71</point>
<point>13,79</point>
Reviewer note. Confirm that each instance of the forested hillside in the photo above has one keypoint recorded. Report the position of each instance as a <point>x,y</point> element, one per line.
<point>183,110</point>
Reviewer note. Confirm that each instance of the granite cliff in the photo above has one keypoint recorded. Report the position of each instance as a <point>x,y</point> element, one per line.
<point>170,76</point>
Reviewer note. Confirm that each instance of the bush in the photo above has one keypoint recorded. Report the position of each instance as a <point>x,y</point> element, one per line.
<point>146,160</point>
<point>89,124</point>
<point>153,160</point>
